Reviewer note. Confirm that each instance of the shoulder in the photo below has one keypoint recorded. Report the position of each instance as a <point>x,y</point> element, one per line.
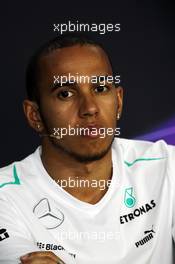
<point>15,174</point>
<point>135,150</point>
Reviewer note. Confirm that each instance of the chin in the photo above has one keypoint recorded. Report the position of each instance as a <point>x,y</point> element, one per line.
<point>90,153</point>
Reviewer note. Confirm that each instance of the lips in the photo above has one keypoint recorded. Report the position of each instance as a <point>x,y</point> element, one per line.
<point>91,126</point>
<point>92,131</point>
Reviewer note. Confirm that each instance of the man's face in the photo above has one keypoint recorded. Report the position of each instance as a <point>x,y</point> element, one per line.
<point>78,104</point>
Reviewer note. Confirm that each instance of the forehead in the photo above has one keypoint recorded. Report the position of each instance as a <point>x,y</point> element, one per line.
<point>78,58</point>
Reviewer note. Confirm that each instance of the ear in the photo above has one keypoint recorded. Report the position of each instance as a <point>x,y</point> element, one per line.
<point>119,94</point>
<point>31,111</point>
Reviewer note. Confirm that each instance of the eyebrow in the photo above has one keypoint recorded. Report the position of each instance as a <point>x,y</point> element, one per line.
<point>58,85</point>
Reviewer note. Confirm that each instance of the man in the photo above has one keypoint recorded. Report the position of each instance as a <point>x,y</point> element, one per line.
<point>131,219</point>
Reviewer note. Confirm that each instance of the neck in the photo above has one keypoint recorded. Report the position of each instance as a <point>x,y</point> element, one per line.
<point>87,181</point>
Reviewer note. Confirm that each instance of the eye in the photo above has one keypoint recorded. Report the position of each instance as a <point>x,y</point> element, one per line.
<point>65,94</point>
<point>102,89</point>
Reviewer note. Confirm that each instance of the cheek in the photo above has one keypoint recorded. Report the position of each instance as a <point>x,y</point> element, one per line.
<point>109,109</point>
<point>58,114</point>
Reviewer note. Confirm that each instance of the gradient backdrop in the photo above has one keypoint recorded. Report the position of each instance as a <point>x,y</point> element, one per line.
<point>143,52</point>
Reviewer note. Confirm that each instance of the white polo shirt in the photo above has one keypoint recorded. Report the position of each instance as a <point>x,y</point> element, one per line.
<point>133,222</point>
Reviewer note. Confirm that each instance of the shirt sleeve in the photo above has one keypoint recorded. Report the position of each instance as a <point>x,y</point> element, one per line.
<point>15,239</point>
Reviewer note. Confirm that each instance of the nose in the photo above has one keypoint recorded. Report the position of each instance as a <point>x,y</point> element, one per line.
<point>88,106</point>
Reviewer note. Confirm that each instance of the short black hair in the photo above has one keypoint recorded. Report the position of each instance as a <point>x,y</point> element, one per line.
<point>65,40</point>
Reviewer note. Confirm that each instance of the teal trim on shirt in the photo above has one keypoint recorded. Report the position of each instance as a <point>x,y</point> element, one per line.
<point>129,164</point>
<point>15,176</point>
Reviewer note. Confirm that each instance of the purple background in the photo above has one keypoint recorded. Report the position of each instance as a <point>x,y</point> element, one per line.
<point>165,131</point>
